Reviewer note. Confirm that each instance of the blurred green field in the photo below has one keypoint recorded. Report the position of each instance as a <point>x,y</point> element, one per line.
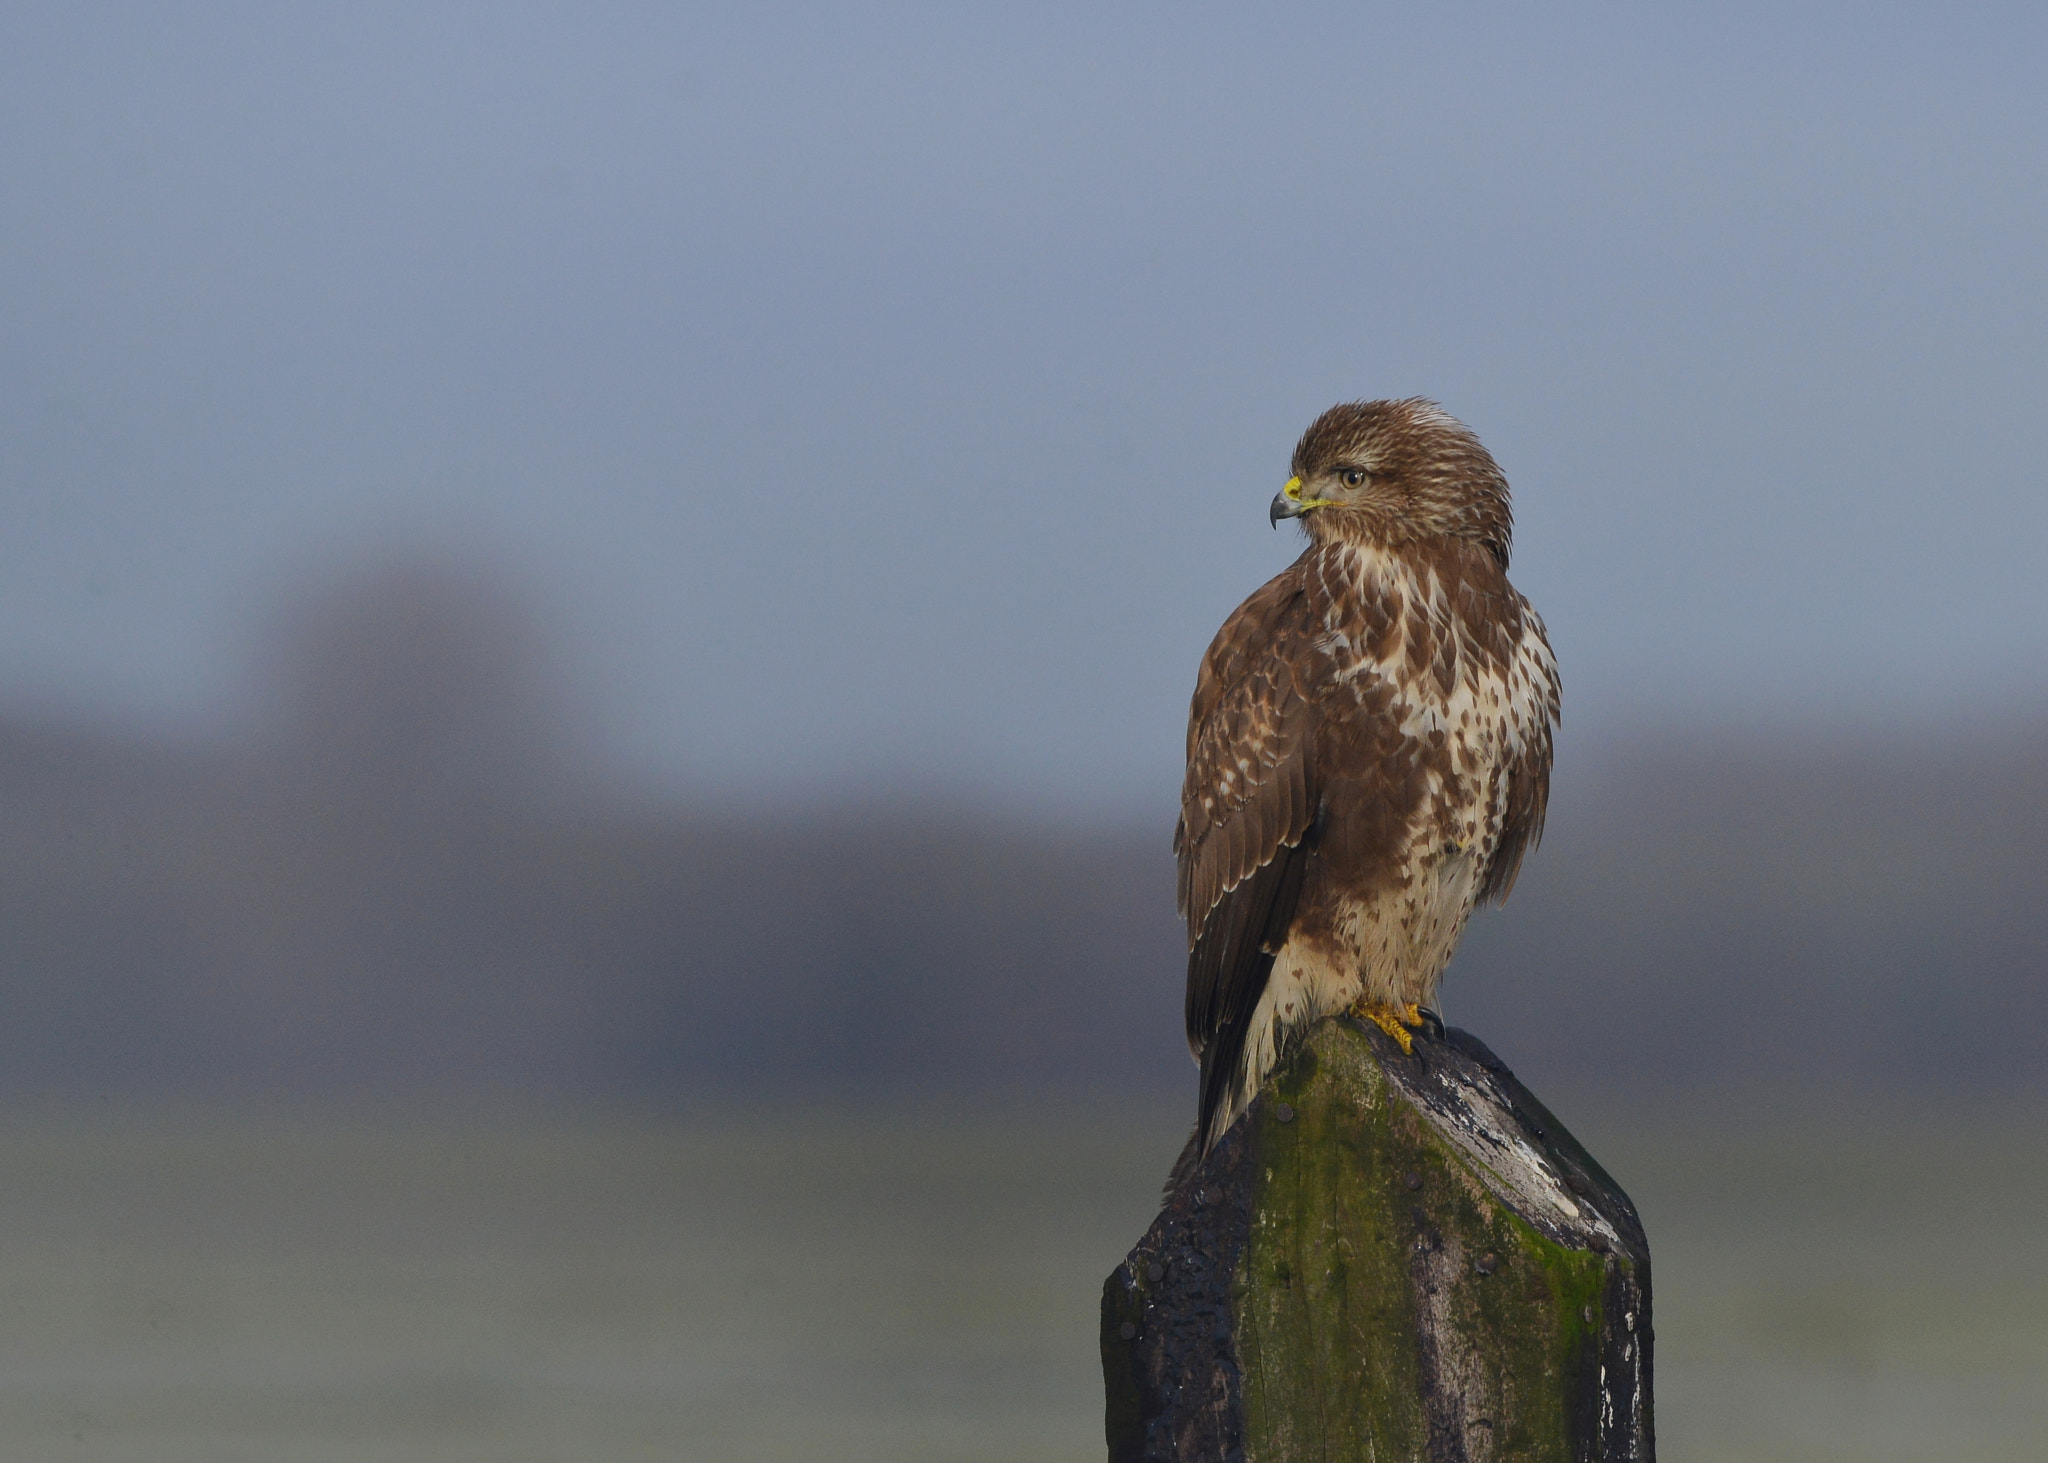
<point>743,1286</point>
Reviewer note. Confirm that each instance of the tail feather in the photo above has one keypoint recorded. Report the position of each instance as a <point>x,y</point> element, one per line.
<point>1231,965</point>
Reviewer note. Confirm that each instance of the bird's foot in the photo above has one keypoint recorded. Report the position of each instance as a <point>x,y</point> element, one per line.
<point>1396,1021</point>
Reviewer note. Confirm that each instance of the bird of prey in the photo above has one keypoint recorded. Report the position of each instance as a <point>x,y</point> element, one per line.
<point>1368,749</point>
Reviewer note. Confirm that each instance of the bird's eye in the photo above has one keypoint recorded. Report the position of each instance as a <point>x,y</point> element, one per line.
<point>1352,476</point>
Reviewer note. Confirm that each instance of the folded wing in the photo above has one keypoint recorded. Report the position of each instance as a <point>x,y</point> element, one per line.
<point>1248,811</point>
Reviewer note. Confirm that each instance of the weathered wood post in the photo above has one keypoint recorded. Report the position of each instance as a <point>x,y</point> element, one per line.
<point>1390,1257</point>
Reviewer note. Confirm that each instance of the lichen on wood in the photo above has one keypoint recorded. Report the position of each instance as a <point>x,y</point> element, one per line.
<point>1393,1257</point>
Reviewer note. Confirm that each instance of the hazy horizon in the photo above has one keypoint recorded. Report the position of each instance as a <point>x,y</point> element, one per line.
<point>411,875</point>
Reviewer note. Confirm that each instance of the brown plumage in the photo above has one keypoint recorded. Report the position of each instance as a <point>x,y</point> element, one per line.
<point>1368,748</point>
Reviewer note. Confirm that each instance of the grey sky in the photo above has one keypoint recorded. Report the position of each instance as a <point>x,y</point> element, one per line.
<point>898,390</point>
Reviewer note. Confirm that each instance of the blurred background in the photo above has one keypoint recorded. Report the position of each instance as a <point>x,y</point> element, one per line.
<point>596,614</point>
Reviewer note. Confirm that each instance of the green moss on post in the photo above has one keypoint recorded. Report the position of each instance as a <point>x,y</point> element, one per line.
<point>1390,1257</point>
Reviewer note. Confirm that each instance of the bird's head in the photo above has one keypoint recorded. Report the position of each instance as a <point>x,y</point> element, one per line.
<point>1388,473</point>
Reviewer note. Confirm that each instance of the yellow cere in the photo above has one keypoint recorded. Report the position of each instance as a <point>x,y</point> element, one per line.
<point>1293,492</point>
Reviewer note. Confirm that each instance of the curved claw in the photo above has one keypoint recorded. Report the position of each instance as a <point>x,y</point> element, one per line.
<point>1396,1021</point>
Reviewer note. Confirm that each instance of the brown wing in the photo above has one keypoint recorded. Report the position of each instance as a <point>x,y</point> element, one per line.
<point>1528,776</point>
<point>1247,810</point>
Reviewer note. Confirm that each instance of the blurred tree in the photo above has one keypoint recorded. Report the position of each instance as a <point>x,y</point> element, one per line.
<point>415,680</point>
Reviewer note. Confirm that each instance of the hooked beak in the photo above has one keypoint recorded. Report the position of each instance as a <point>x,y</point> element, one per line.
<point>1286,503</point>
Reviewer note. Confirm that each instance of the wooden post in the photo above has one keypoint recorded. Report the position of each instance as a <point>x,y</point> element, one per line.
<point>1389,1257</point>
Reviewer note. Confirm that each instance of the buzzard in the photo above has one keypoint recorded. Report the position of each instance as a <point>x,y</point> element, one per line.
<point>1368,748</point>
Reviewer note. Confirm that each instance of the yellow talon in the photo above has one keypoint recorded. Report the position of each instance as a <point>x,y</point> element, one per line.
<point>1396,1021</point>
